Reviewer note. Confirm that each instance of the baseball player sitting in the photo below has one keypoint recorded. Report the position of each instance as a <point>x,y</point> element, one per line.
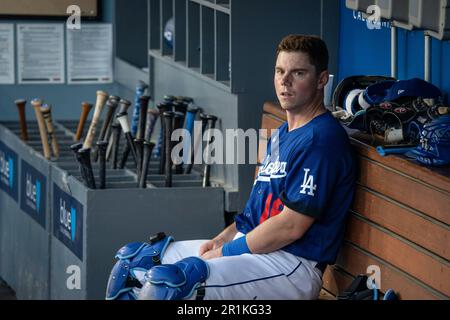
<point>293,223</point>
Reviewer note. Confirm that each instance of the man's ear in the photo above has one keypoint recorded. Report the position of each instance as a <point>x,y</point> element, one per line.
<point>323,79</point>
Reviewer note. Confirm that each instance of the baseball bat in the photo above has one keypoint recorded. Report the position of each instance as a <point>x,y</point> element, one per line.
<point>47,114</point>
<point>111,106</point>
<point>115,140</point>
<point>178,121</point>
<point>139,145</point>
<point>162,107</point>
<point>101,147</point>
<point>143,110</point>
<point>148,149</point>
<point>139,141</point>
<point>207,167</point>
<point>191,115</point>
<point>180,106</point>
<point>123,120</point>
<point>85,109</point>
<point>140,90</point>
<point>37,103</point>
<point>75,148</point>
<point>85,158</point>
<point>100,103</point>
<point>123,107</point>
<point>152,118</point>
<point>21,103</point>
<point>197,143</point>
<point>168,126</point>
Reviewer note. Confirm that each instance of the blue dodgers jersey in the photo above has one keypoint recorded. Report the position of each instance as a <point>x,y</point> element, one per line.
<point>312,172</point>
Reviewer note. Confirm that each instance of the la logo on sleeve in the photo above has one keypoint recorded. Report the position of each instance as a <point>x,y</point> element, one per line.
<point>308,184</point>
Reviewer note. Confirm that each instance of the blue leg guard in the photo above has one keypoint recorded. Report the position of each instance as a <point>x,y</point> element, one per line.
<point>134,259</point>
<point>174,281</point>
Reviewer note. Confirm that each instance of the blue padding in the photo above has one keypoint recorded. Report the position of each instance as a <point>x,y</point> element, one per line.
<point>176,281</point>
<point>117,280</point>
<point>133,257</point>
<point>130,250</point>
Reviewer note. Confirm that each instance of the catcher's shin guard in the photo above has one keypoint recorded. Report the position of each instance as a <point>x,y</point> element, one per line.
<point>135,259</point>
<point>174,281</point>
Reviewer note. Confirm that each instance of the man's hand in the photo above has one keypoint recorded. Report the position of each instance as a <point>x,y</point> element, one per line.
<point>216,253</point>
<point>210,246</point>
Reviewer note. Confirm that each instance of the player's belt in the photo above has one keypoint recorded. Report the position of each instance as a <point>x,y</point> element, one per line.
<point>321,266</point>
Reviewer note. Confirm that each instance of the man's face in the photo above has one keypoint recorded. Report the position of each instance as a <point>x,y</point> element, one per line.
<point>296,81</point>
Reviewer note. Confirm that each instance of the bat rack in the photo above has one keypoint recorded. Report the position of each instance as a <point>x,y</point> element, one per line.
<point>58,240</point>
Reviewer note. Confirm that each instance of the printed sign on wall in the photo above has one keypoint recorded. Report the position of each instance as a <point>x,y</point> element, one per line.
<point>68,221</point>
<point>33,193</point>
<point>8,171</point>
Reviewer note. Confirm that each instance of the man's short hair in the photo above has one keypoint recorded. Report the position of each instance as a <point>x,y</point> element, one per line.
<point>313,46</point>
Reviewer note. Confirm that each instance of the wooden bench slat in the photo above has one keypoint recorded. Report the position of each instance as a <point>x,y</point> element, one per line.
<point>420,264</point>
<point>423,231</point>
<point>405,190</point>
<point>437,177</point>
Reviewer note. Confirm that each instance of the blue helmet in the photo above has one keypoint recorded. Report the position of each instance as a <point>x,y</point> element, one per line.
<point>434,148</point>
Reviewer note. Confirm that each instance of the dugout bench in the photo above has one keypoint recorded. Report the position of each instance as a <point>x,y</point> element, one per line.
<point>399,222</point>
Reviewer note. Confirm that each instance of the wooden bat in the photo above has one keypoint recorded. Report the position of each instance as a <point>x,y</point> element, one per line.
<point>114,143</point>
<point>123,107</point>
<point>140,90</point>
<point>21,103</point>
<point>160,147</point>
<point>101,145</point>
<point>47,114</point>
<point>168,128</point>
<point>99,104</point>
<point>139,141</point>
<point>85,159</point>
<point>75,148</point>
<point>188,145</point>
<point>152,117</point>
<point>178,121</point>
<point>211,124</point>
<point>148,148</point>
<point>85,109</point>
<point>111,106</point>
<point>37,103</point>
<point>123,120</point>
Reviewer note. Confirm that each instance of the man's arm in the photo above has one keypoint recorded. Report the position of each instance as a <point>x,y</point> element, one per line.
<point>278,231</point>
<point>274,234</point>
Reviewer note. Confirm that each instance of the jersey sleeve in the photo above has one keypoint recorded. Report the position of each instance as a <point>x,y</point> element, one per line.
<point>310,179</point>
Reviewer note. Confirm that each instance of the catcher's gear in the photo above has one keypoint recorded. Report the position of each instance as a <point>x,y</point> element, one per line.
<point>174,281</point>
<point>351,83</point>
<point>434,148</point>
<point>135,259</point>
<point>352,101</point>
<point>395,122</point>
<point>374,94</point>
